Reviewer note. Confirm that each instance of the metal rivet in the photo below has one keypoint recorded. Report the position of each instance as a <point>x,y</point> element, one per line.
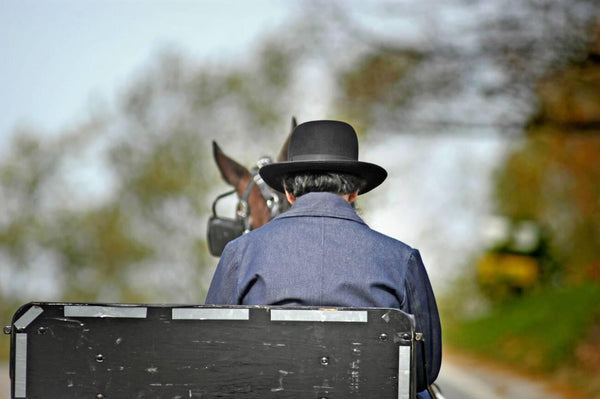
<point>383,337</point>
<point>99,396</point>
<point>99,359</point>
<point>324,360</point>
<point>406,336</point>
<point>42,330</point>
<point>7,330</point>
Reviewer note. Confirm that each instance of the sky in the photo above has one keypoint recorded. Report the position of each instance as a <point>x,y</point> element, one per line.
<point>60,57</point>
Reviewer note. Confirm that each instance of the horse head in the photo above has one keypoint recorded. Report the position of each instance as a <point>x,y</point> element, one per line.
<point>257,203</point>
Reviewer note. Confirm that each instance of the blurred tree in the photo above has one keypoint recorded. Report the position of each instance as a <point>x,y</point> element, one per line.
<point>143,238</point>
<point>375,82</point>
<point>553,175</point>
<point>516,259</point>
<point>426,67</point>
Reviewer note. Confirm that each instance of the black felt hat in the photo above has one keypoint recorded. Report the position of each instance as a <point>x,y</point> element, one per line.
<point>323,146</point>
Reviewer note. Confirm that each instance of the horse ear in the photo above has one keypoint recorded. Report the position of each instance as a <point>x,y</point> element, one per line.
<point>283,153</point>
<point>231,171</point>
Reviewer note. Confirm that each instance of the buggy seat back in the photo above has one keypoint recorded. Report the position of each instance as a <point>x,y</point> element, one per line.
<point>109,351</point>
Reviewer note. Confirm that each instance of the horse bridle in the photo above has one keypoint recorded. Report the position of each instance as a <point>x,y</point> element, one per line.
<point>271,198</point>
<point>222,230</point>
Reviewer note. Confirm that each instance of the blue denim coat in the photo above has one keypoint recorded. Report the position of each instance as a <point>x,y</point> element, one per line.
<point>321,253</point>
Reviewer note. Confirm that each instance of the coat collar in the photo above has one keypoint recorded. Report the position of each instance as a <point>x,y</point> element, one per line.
<point>322,204</point>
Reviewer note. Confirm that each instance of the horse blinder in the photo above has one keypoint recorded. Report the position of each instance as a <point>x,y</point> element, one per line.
<point>222,230</point>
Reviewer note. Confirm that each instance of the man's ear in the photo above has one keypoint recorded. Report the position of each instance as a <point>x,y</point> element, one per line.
<point>352,196</point>
<point>291,199</point>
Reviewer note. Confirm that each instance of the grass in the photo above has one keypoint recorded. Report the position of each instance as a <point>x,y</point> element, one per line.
<point>539,332</point>
<point>7,310</point>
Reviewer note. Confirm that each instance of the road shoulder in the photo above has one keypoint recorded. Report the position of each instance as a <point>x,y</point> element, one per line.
<point>481,378</point>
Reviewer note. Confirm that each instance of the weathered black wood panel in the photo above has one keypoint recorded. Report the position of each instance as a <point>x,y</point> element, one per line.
<point>163,351</point>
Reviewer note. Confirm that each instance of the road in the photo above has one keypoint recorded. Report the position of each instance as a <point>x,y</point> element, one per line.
<point>460,378</point>
<point>466,378</point>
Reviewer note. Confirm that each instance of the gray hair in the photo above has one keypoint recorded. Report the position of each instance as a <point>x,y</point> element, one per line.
<point>299,184</point>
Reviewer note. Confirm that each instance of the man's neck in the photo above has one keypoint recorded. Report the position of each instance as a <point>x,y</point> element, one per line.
<point>348,197</point>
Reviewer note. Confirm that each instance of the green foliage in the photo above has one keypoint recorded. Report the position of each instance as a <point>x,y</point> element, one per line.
<point>143,239</point>
<point>97,248</point>
<point>374,81</point>
<point>8,308</point>
<point>538,332</point>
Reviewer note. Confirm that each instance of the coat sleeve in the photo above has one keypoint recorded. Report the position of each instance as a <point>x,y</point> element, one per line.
<point>421,303</point>
<point>223,287</point>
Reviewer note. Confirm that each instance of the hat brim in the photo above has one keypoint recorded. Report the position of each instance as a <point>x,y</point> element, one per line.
<point>373,174</point>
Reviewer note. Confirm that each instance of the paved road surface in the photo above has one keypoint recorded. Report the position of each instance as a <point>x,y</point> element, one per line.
<point>459,379</point>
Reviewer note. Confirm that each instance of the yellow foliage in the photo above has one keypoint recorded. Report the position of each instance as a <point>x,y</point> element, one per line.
<point>516,271</point>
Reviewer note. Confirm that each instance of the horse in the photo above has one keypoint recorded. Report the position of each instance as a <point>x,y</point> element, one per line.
<point>257,202</point>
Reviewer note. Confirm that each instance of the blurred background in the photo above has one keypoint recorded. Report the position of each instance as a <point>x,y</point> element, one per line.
<point>486,115</point>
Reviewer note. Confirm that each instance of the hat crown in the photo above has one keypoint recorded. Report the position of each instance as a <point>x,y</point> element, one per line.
<point>323,141</point>
<point>323,146</point>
